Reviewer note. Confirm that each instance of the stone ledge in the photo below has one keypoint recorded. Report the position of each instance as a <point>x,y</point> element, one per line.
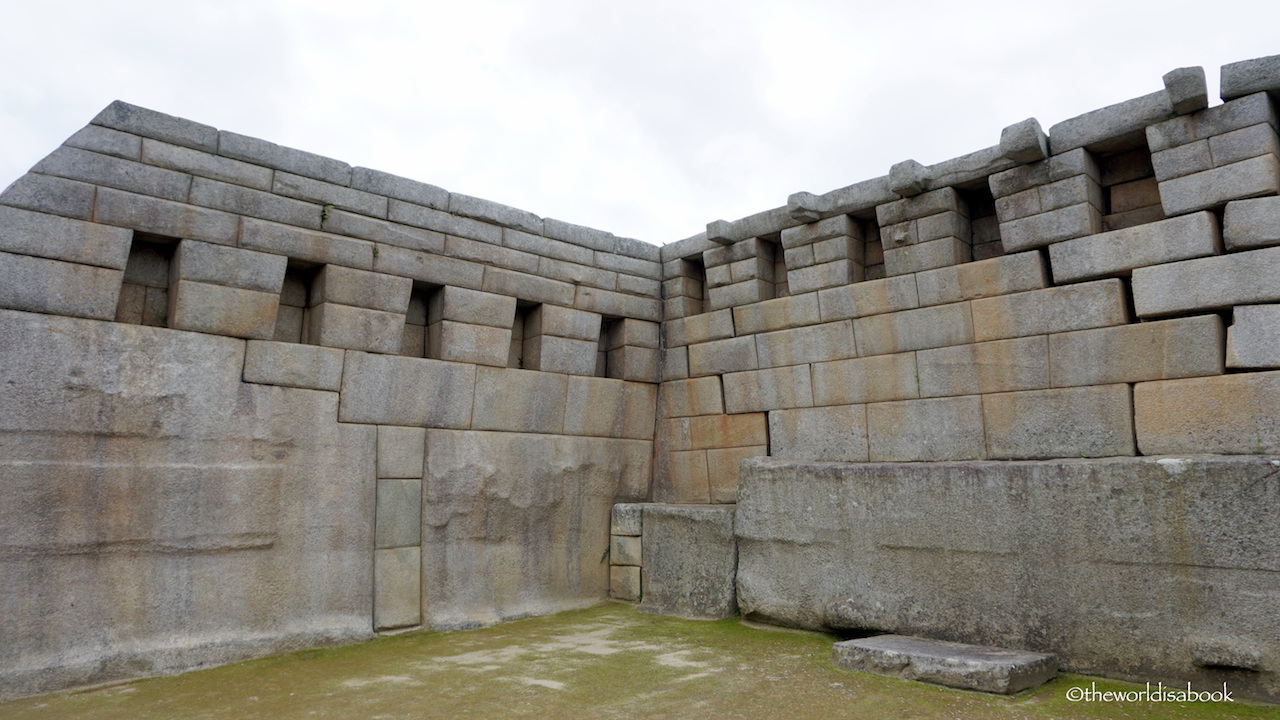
<point>969,667</point>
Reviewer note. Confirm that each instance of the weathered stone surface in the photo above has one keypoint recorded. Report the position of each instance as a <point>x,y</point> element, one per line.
<point>149,123</point>
<point>1073,422</point>
<point>1073,307</point>
<point>221,310</point>
<point>1252,223</point>
<point>46,194</point>
<point>626,519</point>
<point>361,288</point>
<point>1213,188</point>
<point>675,363</point>
<point>815,343</point>
<point>505,539</point>
<point>232,267</point>
<point>696,396</point>
<point>604,407</point>
<point>872,297</point>
<point>549,353</point>
<point>624,550</point>
<point>463,342</point>
<point>969,667</point>
<point>305,244</point>
<point>715,431</point>
<point>926,256</point>
<point>691,557</point>
<point>1253,340</point>
<point>563,322</point>
<point>397,584</point>
<point>985,278</point>
<point>1120,251</point>
<point>399,513</point>
<point>634,363</point>
<point>722,356</point>
<point>58,238</point>
<point>986,367</point>
<point>107,141</point>
<point>298,162</point>
<point>163,217</point>
<point>1074,543</point>
<point>394,186</point>
<point>918,329</point>
<point>1162,350</point>
<point>1112,126</point>
<point>400,452</point>
<point>152,424</point>
<point>722,471</point>
<point>863,380</point>
<point>352,328</point>
<point>771,389</point>
<point>824,275</point>
<point>1050,227</point>
<point>1187,90</point>
<point>1250,76</point>
<point>203,164</point>
<point>293,365</point>
<point>624,583</point>
<point>1024,142</point>
<point>908,178</point>
<point>777,314</point>
<point>1209,283</point>
<point>836,434</point>
<point>392,390</point>
<point>519,400</point>
<point>1231,415</point>
<point>681,476</point>
<point>926,430</point>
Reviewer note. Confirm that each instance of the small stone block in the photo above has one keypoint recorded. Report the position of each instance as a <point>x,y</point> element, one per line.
<point>362,289</point>
<point>1252,223</point>
<point>399,513</point>
<point>228,266</point>
<point>354,328</point>
<point>400,451</point>
<point>1187,89</point>
<point>1253,340</point>
<point>59,288</point>
<point>908,178</point>
<point>1215,187</point>
<point>291,365</point>
<point>1250,76</point>
<point>1024,142</point>
<point>221,310</point>
<point>969,667</point>
<point>692,561</point>
<point>397,587</point>
<point>626,519</point>
<point>624,583</point>
<point>625,550</point>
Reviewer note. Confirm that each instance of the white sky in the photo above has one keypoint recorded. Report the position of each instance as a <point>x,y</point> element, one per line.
<point>647,119</point>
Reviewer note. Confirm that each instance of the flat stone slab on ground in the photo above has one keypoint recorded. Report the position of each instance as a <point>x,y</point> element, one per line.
<point>970,667</point>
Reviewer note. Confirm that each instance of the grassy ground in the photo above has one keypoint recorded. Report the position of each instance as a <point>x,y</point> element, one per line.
<point>606,662</point>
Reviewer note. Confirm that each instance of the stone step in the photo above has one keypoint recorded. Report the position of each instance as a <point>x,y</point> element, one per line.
<point>969,667</point>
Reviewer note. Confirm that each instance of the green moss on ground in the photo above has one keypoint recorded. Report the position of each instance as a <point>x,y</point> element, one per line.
<point>604,662</point>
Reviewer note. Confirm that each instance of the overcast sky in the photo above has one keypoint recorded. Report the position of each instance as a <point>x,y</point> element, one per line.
<point>647,119</point>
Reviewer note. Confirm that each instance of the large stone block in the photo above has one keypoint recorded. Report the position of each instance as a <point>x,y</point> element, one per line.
<point>109,142</point>
<point>453,225</point>
<point>563,322</point>
<point>1214,188</point>
<point>330,195</point>
<point>1253,340</point>
<point>300,162</point>
<point>1056,195</point>
<point>462,342</point>
<point>255,203</point>
<point>519,400</point>
<point>57,238</point>
<point>715,325</point>
<point>777,314</point>
<point>1162,350</point>
<point>926,430</point>
<point>204,164</point>
<point>1038,312</point>
<point>400,451</point>
<point>918,329</point>
<point>530,287</point>
<point>722,356</point>
<point>549,353</point>
<point>47,194</point>
<point>353,328</point>
<point>1084,545</point>
<point>715,431</point>
<point>836,226</point>
<point>835,434</point>
<point>681,476</point>
<point>634,363</point>
<point>864,380</point>
<point>872,297</point>
<point>771,389</point>
<point>397,588</point>
<point>293,365</point>
<point>604,407</point>
<point>1050,227</point>
<point>1235,414</point>
<point>394,186</point>
<point>108,171</point>
<point>471,306</point>
<point>304,244</point>
<point>696,396</point>
<point>1073,422</point>
<point>399,513</point>
<point>149,123</point>
<point>1120,251</point>
<point>342,222</point>
<point>926,256</point>
<point>1111,127</point>
<point>691,559</point>
<point>824,275</point>
<point>1255,223</point>
<point>361,288</point>
<point>1210,283</point>
<point>815,343</point>
<point>1057,167</point>
<point>722,471</point>
<point>987,367</point>
<point>163,217</point>
<point>969,667</point>
<point>985,278</point>
<point>1250,76</point>
<point>221,310</point>
<point>393,390</point>
<point>228,266</point>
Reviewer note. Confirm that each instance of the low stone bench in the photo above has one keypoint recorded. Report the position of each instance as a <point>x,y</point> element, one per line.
<point>969,667</point>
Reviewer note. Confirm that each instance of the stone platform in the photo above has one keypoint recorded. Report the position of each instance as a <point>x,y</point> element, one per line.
<point>969,667</point>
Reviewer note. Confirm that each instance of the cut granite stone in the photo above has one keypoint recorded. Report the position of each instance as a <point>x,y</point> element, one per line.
<point>958,665</point>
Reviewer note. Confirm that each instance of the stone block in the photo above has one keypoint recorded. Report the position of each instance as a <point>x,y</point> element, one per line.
<point>634,363</point>
<point>1050,227</point>
<point>982,368</point>
<point>692,558</point>
<point>908,178</point>
<point>871,297</point>
<point>634,333</point>
<point>443,222</point>
<point>1100,303</point>
<point>936,326</point>
<point>549,353</point>
<point>428,268</point>
<point>46,194</point>
<point>722,356</point>
<point>204,164</point>
<point>1214,188</point>
<point>628,263</point>
<point>715,431</point>
<point>984,278</point>
<point>722,470</point>
<point>58,238</point>
<point>149,123</point>
<point>381,231</point>
<point>1209,283</point>
<point>329,195</point>
<point>255,203</point>
<point>1253,340</point>
<point>1182,160</point>
<point>912,208</point>
<point>827,434</point>
<point>1024,142</point>
<point>740,293</point>
<point>810,233</point>
<point>579,235</point>
<point>605,407</point>
<point>1162,350</point>
<point>496,213</point>
<point>163,217</point>
<point>527,287</point>
<point>394,186</point>
<point>471,306</point>
<point>926,430</point>
<point>1243,144</point>
<point>303,244</point>
<point>686,478</point>
<point>624,583</point>
<point>564,323</point>
<point>1134,195</point>
<point>839,248</point>
<point>298,162</point>
<point>1092,421</point>
<point>814,343</point>
<point>1111,127</point>
<point>715,325</point>
<point>580,274</point>
<point>221,310</point>
<point>1250,76</point>
<point>50,286</point>
<point>1056,195</point>
<point>625,550</point>
<point>397,588</point>
<point>400,452</point>
<point>771,389</point>
<point>969,667</point>
<point>463,342</point>
<point>292,365</point>
<point>1187,90</point>
<point>232,267</point>
<point>1252,223</point>
<point>519,400</point>
<point>1119,252</point>
<point>107,141</point>
<point>777,314</point>
<point>697,396</point>
<point>491,253</point>
<point>675,364</point>
<point>1234,414</point>
<point>626,519</point>
<point>1242,113</point>
<point>825,275</point>
<point>863,380</point>
<point>398,521</point>
<point>354,328</point>
<point>290,321</point>
<point>1057,167</point>
<point>617,304</point>
<point>926,256</point>
<point>416,392</point>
